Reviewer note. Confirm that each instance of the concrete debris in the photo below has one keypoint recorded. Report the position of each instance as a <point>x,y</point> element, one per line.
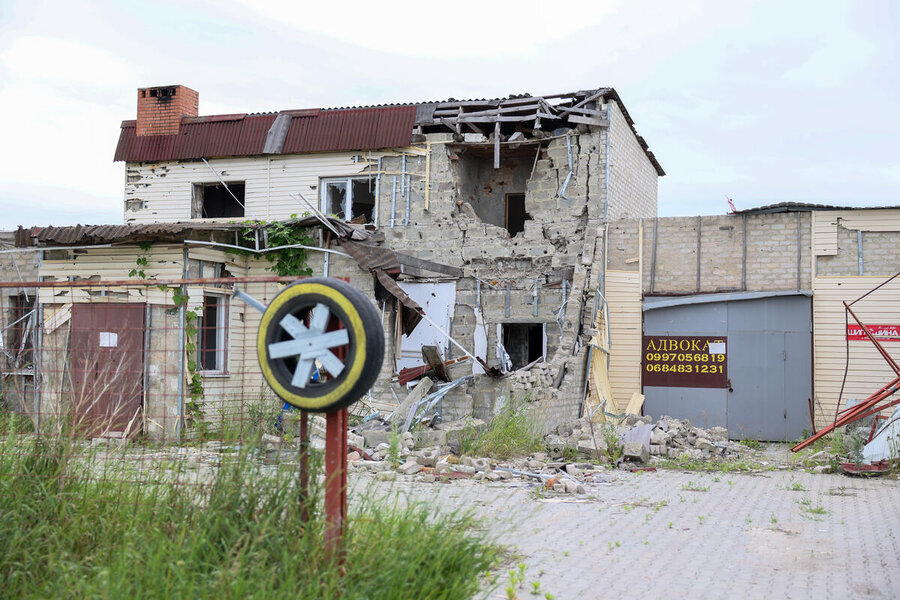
<point>635,452</point>
<point>409,468</point>
<point>667,438</point>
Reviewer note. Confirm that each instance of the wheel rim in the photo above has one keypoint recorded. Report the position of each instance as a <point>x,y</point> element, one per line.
<point>302,349</point>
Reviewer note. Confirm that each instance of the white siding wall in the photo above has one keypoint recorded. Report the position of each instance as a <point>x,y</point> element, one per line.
<point>165,187</point>
<point>623,290</point>
<point>868,370</point>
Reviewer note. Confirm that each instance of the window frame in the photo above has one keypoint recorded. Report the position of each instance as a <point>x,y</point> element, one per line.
<point>348,200</point>
<point>198,189</point>
<point>222,328</point>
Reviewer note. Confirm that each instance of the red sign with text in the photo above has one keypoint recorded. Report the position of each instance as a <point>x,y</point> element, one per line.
<point>882,333</point>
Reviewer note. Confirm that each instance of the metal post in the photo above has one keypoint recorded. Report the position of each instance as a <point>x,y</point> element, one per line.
<point>304,466</point>
<point>182,320</point>
<point>335,481</point>
<point>393,200</point>
<point>859,250</point>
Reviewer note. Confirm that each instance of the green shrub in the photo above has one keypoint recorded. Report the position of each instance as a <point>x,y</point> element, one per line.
<point>511,433</point>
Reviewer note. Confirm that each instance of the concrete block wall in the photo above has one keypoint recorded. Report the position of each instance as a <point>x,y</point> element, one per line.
<point>879,254</point>
<point>777,250</point>
<point>633,179</point>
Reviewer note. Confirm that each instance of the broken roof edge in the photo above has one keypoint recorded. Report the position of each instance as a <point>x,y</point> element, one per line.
<point>607,93</point>
<point>177,232</point>
<point>786,207</point>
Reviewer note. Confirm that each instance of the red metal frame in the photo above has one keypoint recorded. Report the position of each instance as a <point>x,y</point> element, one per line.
<point>872,405</point>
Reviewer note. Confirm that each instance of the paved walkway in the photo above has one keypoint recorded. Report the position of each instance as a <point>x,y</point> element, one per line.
<point>670,535</point>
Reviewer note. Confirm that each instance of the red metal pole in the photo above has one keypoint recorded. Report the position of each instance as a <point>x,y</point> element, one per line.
<point>304,466</point>
<point>878,346</point>
<point>335,480</point>
<point>855,413</point>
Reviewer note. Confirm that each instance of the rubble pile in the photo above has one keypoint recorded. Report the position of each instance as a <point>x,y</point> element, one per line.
<point>577,453</point>
<point>640,439</point>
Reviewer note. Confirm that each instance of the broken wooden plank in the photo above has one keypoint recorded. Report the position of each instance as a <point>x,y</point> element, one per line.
<point>590,98</point>
<point>399,417</point>
<point>427,265</point>
<point>588,121</point>
<point>589,112</point>
<point>435,361</point>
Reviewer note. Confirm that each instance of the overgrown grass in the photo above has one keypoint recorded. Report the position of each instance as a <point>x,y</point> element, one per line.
<point>511,433</point>
<point>716,464</point>
<point>75,528</point>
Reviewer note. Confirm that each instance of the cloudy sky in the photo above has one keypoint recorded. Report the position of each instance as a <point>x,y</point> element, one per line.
<point>760,101</point>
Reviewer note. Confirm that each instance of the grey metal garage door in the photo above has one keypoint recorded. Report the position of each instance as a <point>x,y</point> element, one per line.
<point>765,391</point>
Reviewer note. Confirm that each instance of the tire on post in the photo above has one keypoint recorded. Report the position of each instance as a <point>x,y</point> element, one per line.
<point>320,344</point>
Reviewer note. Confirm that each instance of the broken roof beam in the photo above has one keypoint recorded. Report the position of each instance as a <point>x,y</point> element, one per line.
<point>588,121</point>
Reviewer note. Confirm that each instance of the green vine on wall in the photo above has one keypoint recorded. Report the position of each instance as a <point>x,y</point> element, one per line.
<point>288,261</point>
<point>193,408</point>
<point>140,270</point>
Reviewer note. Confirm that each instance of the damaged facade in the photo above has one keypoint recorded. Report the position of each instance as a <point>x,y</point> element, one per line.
<point>503,202</point>
<point>524,229</point>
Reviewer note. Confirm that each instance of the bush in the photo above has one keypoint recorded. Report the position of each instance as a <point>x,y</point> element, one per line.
<point>511,433</point>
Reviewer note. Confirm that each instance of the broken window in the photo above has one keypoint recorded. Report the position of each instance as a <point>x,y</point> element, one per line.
<point>354,196</point>
<point>212,333</point>
<point>524,342</point>
<point>515,214</point>
<point>496,195</point>
<point>21,320</point>
<point>217,201</point>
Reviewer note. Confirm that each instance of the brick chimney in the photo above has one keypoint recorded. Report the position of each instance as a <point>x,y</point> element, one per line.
<point>159,109</point>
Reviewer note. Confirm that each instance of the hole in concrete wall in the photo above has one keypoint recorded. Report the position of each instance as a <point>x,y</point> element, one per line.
<point>213,200</point>
<point>524,342</point>
<point>489,190</point>
<point>516,214</point>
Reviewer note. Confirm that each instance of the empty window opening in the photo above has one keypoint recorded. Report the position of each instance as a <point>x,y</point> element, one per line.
<point>213,200</point>
<point>211,333</point>
<point>515,214</point>
<point>496,195</point>
<point>21,330</point>
<point>524,342</point>
<point>353,196</point>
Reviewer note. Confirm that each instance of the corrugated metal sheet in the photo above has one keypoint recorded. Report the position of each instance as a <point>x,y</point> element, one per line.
<point>102,234</point>
<point>868,371</point>
<point>355,129</point>
<point>245,135</point>
<point>802,207</point>
<point>197,138</point>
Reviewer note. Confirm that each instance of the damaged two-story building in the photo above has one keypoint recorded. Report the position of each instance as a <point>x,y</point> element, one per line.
<point>511,247</point>
<point>486,215</point>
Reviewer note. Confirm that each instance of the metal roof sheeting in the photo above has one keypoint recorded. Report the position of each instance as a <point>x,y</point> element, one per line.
<point>102,234</point>
<point>245,135</point>
<point>803,207</point>
<point>353,129</point>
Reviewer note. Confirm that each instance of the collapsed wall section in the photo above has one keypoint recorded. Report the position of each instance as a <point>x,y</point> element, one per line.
<point>531,285</point>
